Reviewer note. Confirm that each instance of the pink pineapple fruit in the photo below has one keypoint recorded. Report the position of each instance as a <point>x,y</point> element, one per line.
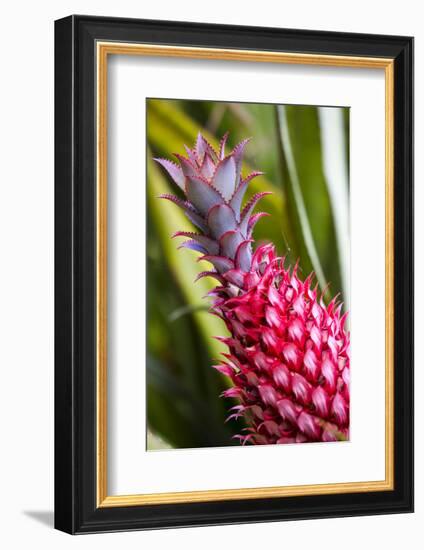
<point>288,356</point>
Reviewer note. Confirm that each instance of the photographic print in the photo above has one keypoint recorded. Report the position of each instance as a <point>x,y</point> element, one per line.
<point>220,297</point>
<point>248,251</point>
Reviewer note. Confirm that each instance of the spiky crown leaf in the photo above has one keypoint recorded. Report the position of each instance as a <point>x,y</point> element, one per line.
<point>214,191</point>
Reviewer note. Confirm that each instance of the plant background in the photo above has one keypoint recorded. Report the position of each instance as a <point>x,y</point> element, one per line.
<point>299,148</point>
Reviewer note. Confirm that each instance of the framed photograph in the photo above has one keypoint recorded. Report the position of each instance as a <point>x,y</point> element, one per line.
<point>234,274</point>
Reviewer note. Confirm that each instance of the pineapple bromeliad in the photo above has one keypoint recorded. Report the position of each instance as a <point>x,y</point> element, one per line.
<point>288,354</point>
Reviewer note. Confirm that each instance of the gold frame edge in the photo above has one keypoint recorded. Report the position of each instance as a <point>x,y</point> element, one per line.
<point>119,48</point>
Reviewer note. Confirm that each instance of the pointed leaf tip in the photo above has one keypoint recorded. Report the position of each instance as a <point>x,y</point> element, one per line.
<point>187,167</point>
<point>243,258</point>
<point>220,263</point>
<point>213,274</point>
<point>173,170</point>
<point>220,219</point>
<point>222,144</point>
<point>202,195</point>
<point>210,246</point>
<point>238,153</point>
<point>193,245</point>
<point>248,209</point>
<point>224,178</point>
<point>189,211</point>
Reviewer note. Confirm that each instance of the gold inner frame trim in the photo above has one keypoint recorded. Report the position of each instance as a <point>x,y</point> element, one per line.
<point>103,50</point>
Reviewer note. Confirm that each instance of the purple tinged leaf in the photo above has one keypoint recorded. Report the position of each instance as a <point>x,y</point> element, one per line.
<point>187,167</point>
<point>301,388</point>
<point>321,401</point>
<point>208,167</point>
<point>210,246</point>
<point>253,221</point>
<point>232,392</point>
<point>248,209</point>
<point>243,258</point>
<point>189,211</point>
<point>329,372</point>
<point>220,219</point>
<point>193,245</point>
<point>281,376</point>
<point>213,274</point>
<point>287,411</point>
<point>229,242</point>
<point>236,277</point>
<point>237,199</point>
<point>173,170</point>
<point>308,425</point>
<point>202,146</point>
<point>238,153</point>
<point>222,144</point>
<point>268,394</point>
<point>202,195</point>
<point>191,155</point>
<point>197,220</point>
<point>224,178</point>
<point>220,263</point>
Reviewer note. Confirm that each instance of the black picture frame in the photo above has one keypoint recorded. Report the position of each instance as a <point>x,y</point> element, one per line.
<point>76,510</point>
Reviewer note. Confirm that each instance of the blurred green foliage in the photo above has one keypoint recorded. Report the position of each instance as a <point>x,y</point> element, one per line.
<point>183,404</point>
